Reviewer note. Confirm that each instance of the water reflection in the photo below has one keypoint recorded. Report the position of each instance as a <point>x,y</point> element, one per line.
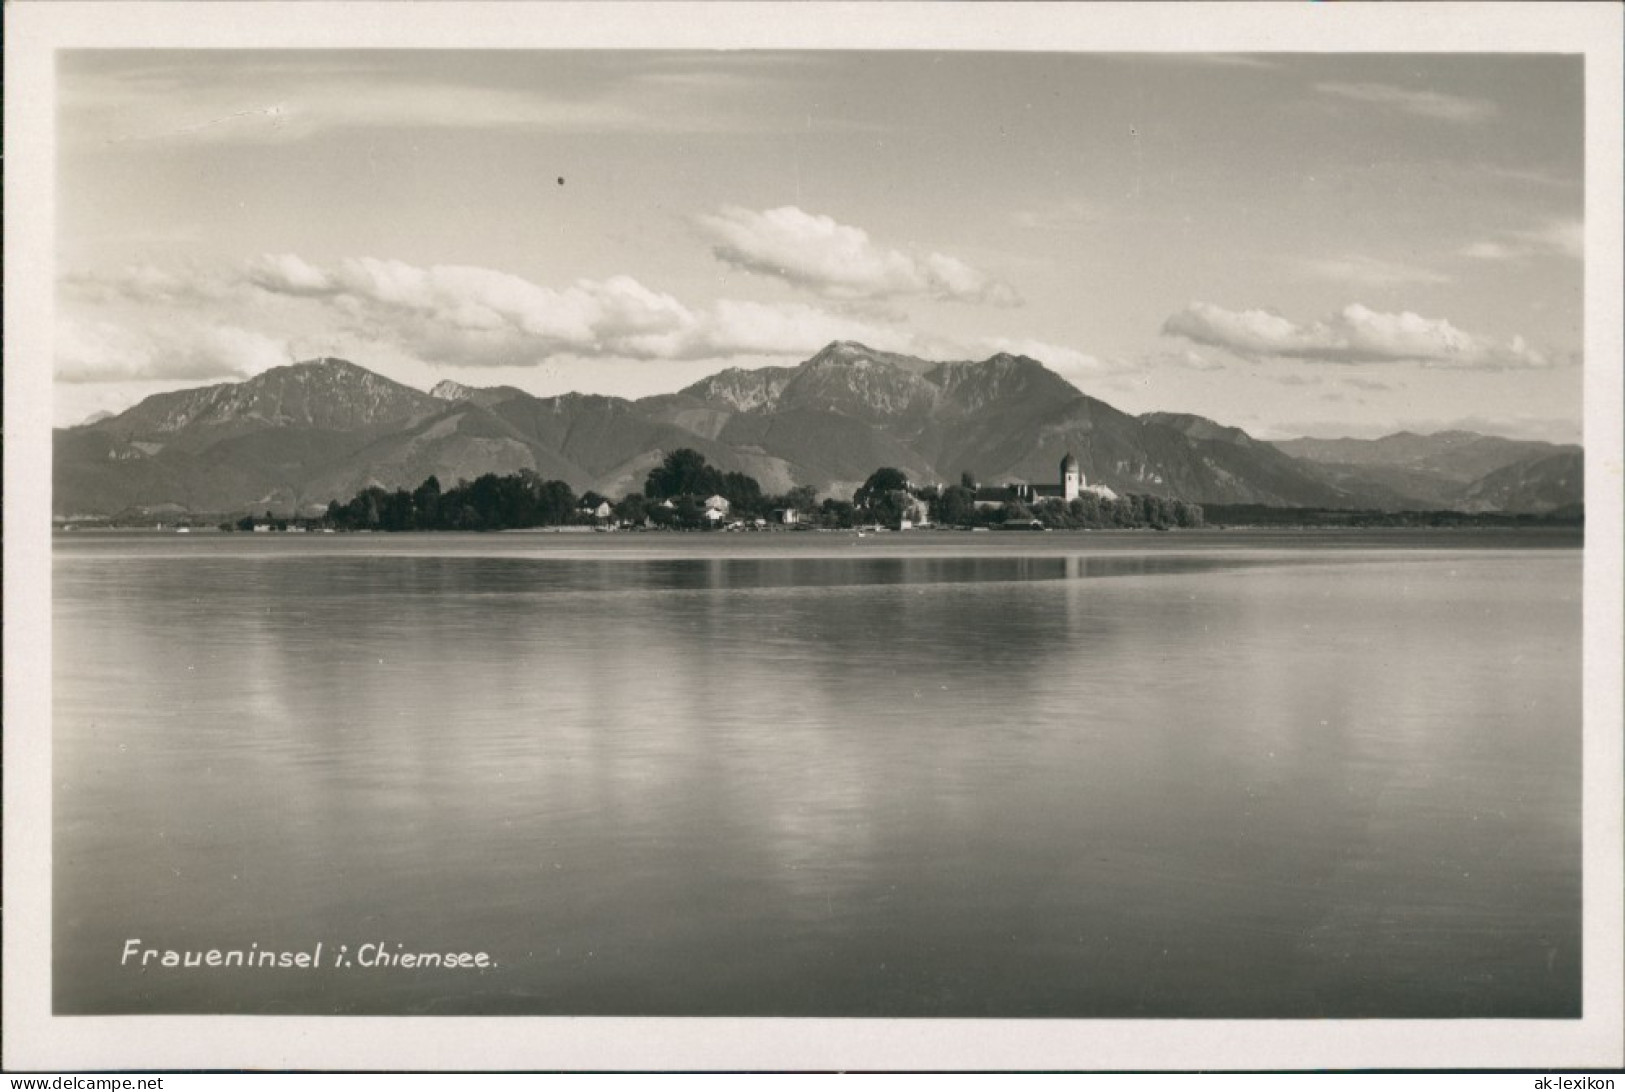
<point>1135,784</point>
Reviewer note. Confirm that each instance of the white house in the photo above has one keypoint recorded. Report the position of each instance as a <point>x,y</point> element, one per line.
<point>716,502</point>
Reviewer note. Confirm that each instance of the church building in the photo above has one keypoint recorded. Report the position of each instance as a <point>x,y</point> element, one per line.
<point>1071,486</point>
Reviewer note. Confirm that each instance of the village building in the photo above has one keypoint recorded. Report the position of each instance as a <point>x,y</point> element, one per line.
<point>916,513</point>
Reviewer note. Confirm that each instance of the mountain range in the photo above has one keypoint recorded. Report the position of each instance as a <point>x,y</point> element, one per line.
<point>298,436</point>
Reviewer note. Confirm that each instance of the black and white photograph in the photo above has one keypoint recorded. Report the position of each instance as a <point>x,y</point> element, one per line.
<point>963,525</point>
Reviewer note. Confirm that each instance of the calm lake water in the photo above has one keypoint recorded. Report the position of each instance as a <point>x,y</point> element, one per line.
<point>1204,775</point>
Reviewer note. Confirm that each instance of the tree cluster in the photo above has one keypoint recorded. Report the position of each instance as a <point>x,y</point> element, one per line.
<point>491,502</point>
<point>685,473</point>
<point>499,502</point>
<point>956,506</point>
<point>675,495</point>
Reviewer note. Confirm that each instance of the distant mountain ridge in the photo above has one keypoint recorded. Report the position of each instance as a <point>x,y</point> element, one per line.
<point>298,436</point>
<point>1456,454</point>
<point>1462,470</point>
<point>324,394</point>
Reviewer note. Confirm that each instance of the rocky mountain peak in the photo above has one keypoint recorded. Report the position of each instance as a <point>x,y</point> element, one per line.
<point>744,390</point>
<point>449,390</point>
<point>854,354</point>
<point>842,350</point>
<point>841,354</point>
<point>326,393</point>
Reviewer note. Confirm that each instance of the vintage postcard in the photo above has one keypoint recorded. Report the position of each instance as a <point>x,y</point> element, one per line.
<point>813,536</point>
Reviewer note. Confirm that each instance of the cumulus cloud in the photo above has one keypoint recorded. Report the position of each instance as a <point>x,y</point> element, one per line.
<point>1060,358</point>
<point>288,274</point>
<point>839,261</point>
<point>744,326</point>
<point>99,352</point>
<point>1428,104</point>
<point>146,284</point>
<point>469,315</point>
<point>1354,335</point>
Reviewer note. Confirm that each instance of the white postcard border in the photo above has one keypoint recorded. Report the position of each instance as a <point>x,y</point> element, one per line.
<point>35,1040</point>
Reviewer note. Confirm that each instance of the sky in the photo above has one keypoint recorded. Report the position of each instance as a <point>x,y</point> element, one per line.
<point>1295,244</point>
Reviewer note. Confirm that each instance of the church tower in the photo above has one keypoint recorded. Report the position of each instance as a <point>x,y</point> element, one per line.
<point>1071,477</point>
